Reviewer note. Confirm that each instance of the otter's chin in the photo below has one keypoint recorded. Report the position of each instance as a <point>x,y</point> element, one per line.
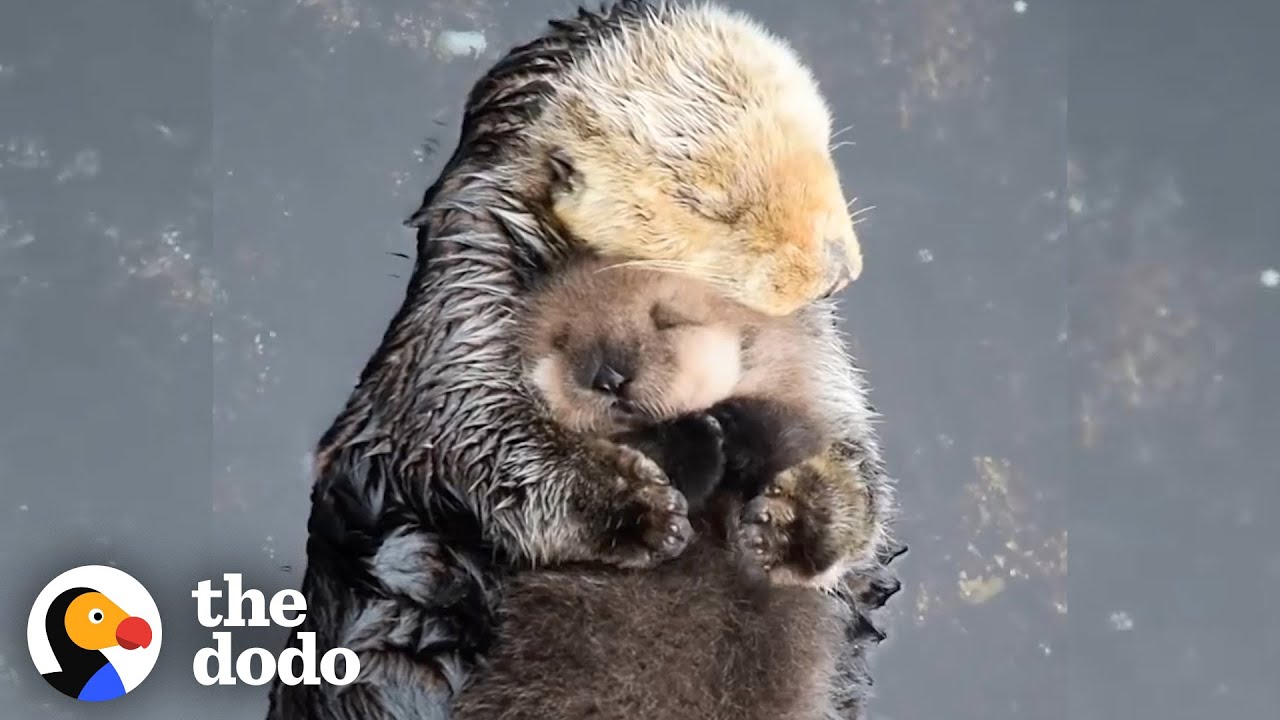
<point>626,415</point>
<point>594,413</point>
<point>622,416</point>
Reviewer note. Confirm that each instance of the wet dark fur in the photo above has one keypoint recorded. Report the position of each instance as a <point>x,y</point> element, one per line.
<point>440,473</point>
<point>627,645</point>
<point>624,645</point>
<point>695,638</point>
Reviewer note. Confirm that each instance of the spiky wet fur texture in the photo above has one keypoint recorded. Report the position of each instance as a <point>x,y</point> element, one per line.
<point>690,640</point>
<point>441,473</point>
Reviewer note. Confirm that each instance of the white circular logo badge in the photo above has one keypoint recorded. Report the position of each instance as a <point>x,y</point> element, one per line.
<point>94,633</point>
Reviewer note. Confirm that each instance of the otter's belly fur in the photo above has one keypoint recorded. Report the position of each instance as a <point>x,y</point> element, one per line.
<point>693,639</point>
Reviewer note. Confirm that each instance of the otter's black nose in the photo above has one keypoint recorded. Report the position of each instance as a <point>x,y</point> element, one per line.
<point>608,380</point>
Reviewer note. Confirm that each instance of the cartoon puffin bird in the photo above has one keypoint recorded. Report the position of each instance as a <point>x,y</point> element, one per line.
<point>80,624</point>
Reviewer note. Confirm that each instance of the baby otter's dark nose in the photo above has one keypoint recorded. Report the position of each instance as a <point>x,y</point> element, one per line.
<point>608,380</point>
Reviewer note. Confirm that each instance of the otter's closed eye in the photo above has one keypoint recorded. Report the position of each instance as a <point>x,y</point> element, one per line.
<point>666,317</point>
<point>712,205</point>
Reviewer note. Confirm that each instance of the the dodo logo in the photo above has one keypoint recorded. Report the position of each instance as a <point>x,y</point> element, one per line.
<point>94,633</point>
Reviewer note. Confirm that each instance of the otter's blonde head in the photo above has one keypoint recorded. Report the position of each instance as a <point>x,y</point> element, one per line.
<point>699,140</point>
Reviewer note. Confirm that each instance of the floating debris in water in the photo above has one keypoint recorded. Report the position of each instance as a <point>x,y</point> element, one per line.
<point>457,43</point>
<point>22,240</point>
<point>85,164</point>
<point>1270,278</point>
<point>1121,621</point>
<point>979,590</point>
<point>169,134</point>
<point>925,255</point>
<point>1020,7</point>
<point>27,153</point>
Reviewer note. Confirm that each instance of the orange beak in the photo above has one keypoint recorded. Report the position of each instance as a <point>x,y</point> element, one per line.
<point>133,633</point>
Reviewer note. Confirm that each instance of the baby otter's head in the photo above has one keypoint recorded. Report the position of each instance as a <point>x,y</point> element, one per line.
<point>610,347</point>
<point>698,139</point>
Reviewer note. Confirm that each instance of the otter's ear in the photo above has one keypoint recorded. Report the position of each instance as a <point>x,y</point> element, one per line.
<point>564,177</point>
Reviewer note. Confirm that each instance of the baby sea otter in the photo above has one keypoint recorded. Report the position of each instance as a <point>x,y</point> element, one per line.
<point>620,352</point>
<point>717,394</point>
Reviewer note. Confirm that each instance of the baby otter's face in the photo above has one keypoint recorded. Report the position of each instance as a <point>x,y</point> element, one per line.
<point>610,348</point>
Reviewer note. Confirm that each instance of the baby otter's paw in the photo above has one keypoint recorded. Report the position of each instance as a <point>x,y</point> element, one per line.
<point>694,456</point>
<point>762,438</point>
<point>812,522</point>
<point>640,519</point>
<point>764,533</point>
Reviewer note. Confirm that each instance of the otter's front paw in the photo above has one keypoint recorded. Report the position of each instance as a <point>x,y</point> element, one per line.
<point>809,526</point>
<point>762,438</point>
<point>694,456</point>
<point>641,519</point>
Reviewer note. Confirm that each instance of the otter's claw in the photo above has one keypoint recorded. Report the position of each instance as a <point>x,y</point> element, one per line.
<point>646,519</point>
<point>810,523</point>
